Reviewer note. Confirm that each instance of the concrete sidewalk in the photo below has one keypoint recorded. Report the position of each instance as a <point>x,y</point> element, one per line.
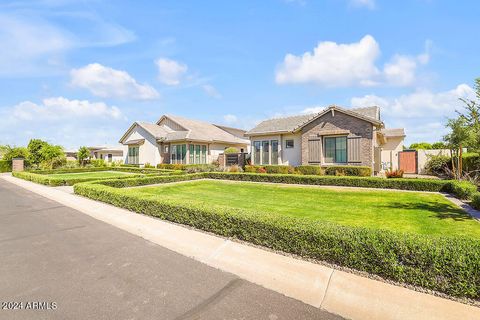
<point>339,292</point>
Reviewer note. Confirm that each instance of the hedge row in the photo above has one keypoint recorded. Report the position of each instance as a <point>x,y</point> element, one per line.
<point>97,169</point>
<point>460,189</point>
<point>448,265</point>
<point>476,201</point>
<point>55,182</point>
<point>5,166</point>
<point>358,171</point>
<point>181,166</point>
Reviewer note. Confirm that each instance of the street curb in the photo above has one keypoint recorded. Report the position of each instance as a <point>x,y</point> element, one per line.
<point>335,291</point>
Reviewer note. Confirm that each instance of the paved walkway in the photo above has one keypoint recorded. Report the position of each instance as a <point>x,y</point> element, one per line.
<point>83,268</point>
<point>346,294</point>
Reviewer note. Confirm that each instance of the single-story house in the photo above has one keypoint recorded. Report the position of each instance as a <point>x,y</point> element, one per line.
<point>334,136</point>
<point>107,153</point>
<point>178,140</point>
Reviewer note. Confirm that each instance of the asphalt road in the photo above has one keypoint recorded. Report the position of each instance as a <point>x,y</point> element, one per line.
<point>76,267</point>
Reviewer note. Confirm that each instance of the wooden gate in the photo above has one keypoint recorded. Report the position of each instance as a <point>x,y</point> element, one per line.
<point>408,161</point>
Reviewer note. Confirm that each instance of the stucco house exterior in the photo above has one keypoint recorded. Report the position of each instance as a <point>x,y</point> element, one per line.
<point>178,140</point>
<point>106,153</point>
<point>334,136</point>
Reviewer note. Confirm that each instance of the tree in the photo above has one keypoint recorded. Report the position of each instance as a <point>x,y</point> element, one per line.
<point>53,156</point>
<point>421,145</point>
<point>15,152</point>
<point>82,155</point>
<point>34,148</point>
<point>3,150</point>
<point>461,135</point>
<point>439,145</point>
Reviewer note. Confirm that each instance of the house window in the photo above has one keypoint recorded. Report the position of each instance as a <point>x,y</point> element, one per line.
<point>133,155</point>
<point>265,152</point>
<point>165,149</point>
<point>274,152</point>
<point>178,154</point>
<point>335,149</point>
<point>256,152</point>
<point>197,154</point>
<point>110,157</point>
<point>204,154</point>
<point>289,144</point>
<point>191,153</point>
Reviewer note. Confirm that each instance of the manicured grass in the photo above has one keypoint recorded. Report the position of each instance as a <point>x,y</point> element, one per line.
<point>90,175</point>
<point>412,212</point>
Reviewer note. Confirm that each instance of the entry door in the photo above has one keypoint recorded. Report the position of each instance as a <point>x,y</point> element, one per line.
<point>408,161</point>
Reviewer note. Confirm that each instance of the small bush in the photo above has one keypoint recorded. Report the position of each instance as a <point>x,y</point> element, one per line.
<point>234,168</point>
<point>202,168</point>
<point>230,150</point>
<point>98,163</point>
<point>476,201</point>
<point>461,189</point>
<point>394,174</point>
<point>279,169</point>
<point>436,165</point>
<point>310,170</point>
<point>354,171</point>
<point>5,166</point>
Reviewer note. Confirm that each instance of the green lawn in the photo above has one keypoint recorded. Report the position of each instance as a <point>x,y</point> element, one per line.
<point>90,175</point>
<point>414,212</point>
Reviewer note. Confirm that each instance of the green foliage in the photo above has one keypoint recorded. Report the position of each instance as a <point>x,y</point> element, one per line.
<point>34,151</point>
<point>449,265</point>
<point>98,163</point>
<point>279,169</point>
<point>230,150</point>
<point>354,171</point>
<point>471,161</point>
<point>439,145</point>
<point>83,154</point>
<point>191,167</point>
<point>476,201</point>
<point>437,164</point>
<point>421,145</point>
<point>15,152</point>
<point>3,150</point>
<point>202,168</point>
<point>310,170</point>
<point>5,166</point>
<point>461,189</point>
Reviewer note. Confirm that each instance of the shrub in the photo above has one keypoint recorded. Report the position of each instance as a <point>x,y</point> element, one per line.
<point>252,168</point>
<point>436,165</point>
<point>357,171</point>
<point>279,169</point>
<point>5,166</point>
<point>98,163</point>
<point>448,264</point>
<point>471,162</point>
<point>310,170</point>
<point>234,168</point>
<point>476,201</point>
<point>230,150</point>
<point>461,189</point>
<point>394,173</point>
<point>148,165</point>
<point>201,168</point>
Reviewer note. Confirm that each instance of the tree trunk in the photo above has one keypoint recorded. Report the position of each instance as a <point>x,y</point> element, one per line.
<point>460,162</point>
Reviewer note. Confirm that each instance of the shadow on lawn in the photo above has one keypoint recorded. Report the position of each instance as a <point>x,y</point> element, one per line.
<point>439,210</point>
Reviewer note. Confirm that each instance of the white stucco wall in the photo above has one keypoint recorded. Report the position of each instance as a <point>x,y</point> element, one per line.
<point>389,153</point>
<point>149,151</point>
<point>423,157</point>
<point>292,156</point>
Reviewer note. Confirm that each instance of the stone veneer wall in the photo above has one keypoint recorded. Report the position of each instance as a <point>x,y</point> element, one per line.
<point>341,123</point>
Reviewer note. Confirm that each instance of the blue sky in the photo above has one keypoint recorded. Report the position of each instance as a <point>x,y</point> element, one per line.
<point>80,72</point>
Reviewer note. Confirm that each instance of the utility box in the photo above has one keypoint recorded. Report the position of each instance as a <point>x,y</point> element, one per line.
<point>18,164</point>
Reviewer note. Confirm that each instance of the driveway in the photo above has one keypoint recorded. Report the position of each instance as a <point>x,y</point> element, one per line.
<point>62,264</point>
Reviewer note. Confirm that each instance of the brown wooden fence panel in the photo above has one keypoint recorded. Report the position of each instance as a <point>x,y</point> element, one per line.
<point>408,161</point>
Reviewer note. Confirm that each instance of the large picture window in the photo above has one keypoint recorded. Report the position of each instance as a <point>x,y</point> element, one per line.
<point>178,154</point>
<point>256,152</point>
<point>265,152</point>
<point>274,152</point>
<point>335,149</point>
<point>197,154</point>
<point>133,154</point>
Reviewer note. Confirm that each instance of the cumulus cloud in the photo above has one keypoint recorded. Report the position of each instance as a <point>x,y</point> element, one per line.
<point>170,72</point>
<point>211,91</point>
<point>422,113</point>
<point>106,82</point>
<point>58,108</point>
<point>352,64</point>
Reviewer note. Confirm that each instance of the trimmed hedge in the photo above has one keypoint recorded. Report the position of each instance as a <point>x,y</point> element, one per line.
<point>356,171</point>
<point>55,182</point>
<point>181,166</point>
<point>5,166</point>
<point>97,169</point>
<point>460,189</point>
<point>310,170</point>
<point>279,169</point>
<point>476,201</point>
<point>448,265</point>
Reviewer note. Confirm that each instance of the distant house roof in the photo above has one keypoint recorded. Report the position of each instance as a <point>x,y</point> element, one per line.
<point>397,132</point>
<point>194,130</point>
<point>295,123</point>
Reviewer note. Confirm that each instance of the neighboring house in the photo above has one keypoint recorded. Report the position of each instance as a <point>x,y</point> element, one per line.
<point>334,136</point>
<point>107,153</point>
<point>177,140</point>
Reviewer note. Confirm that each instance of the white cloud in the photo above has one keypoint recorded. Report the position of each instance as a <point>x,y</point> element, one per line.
<point>106,82</point>
<point>60,108</point>
<point>230,118</point>
<point>352,64</point>
<point>423,113</point>
<point>333,64</point>
<point>211,91</point>
<point>369,4</point>
<point>170,72</point>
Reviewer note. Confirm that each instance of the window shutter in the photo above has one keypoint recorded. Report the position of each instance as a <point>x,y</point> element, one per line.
<point>353,148</point>
<point>314,150</point>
